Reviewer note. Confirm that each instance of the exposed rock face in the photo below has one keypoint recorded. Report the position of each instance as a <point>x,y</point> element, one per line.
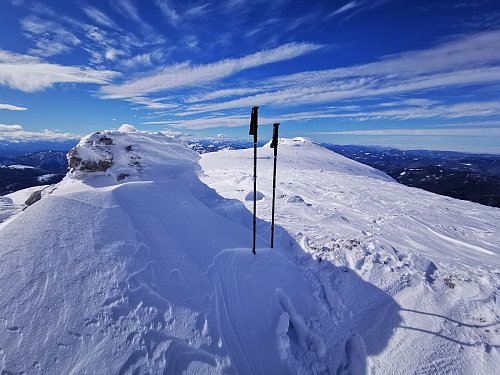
<point>34,197</point>
<point>93,157</point>
<point>107,141</point>
<point>96,166</point>
<point>122,176</point>
<point>73,160</point>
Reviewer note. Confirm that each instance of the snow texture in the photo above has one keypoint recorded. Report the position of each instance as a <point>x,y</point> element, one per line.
<point>410,278</point>
<point>136,266</point>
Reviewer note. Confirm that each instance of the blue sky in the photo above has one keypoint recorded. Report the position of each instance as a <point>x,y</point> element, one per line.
<point>407,74</point>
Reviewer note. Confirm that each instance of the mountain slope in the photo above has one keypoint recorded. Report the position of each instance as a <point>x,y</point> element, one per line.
<point>132,265</point>
<point>436,259</point>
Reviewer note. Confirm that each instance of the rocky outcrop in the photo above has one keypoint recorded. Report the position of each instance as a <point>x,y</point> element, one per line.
<point>34,197</point>
<point>93,157</point>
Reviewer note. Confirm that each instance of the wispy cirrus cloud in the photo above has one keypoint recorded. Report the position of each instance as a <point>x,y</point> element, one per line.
<point>142,60</point>
<point>479,109</point>
<point>168,10</point>
<point>462,132</point>
<point>354,7</point>
<point>11,107</point>
<point>467,60</point>
<point>127,9</point>
<point>346,7</point>
<point>185,75</point>
<point>99,17</point>
<point>49,37</point>
<point>29,74</point>
<point>17,132</point>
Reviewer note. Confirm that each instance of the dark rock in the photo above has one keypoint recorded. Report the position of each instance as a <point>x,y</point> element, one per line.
<point>93,166</point>
<point>122,176</point>
<point>128,148</point>
<point>73,160</point>
<point>34,197</point>
<point>106,140</point>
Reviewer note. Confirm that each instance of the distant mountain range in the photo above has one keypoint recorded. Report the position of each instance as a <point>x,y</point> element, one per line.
<point>472,177</point>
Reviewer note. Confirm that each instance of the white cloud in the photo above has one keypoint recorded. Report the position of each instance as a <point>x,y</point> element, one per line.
<point>157,103</point>
<point>16,132</point>
<point>449,132</point>
<point>112,53</point>
<point>418,102</point>
<point>483,109</point>
<point>142,60</point>
<point>99,17</point>
<point>221,94</point>
<point>29,74</point>
<point>169,11</point>
<point>350,5</point>
<point>10,128</point>
<point>11,107</point>
<point>183,75</point>
<point>464,61</point>
<point>129,10</point>
<point>197,11</point>
<point>50,38</point>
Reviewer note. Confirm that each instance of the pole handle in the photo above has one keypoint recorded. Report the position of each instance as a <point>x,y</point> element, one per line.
<point>274,142</point>
<point>254,123</point>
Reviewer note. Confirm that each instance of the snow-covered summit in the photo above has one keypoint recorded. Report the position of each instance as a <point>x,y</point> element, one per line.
<point>305,153</point>
<point>436,258</point>
<point>132,264</point>
<point>129,155</point>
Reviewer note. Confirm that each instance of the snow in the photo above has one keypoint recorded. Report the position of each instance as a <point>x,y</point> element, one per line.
<point>424,298</point>
<point>13,203</point>
<point>150,273</point>
<point>135,265</point>
<point>46,177</point>
<point>20,166</point>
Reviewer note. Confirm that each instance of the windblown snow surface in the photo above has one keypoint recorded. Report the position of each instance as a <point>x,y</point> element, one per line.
<point>409,278</point>
<point>132,265</point>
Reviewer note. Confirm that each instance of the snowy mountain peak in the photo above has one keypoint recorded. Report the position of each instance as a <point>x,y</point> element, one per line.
<point>309,154</point>
<point>127,154</point>
<point>132,264</point>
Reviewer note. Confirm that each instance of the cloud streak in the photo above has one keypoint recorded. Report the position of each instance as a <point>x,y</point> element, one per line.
<point>29,74</point>
<point>17,132</point>
<point>11,107</point>
<point>468,60</point>
<point>461,132</point>
<point>186,75</point>
<point>50,38</point>
<point>169,11</point>
<point>99,17</point>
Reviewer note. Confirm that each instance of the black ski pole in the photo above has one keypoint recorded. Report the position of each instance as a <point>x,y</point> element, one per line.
<point>274,144</point>
<point>253,131</point>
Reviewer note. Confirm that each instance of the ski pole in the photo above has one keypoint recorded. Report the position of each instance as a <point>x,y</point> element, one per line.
<point>274,144</point>
<point>253,131</point>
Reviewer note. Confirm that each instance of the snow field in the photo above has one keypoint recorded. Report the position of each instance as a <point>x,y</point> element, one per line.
<point>430,265</point>
<point>152,273</point>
